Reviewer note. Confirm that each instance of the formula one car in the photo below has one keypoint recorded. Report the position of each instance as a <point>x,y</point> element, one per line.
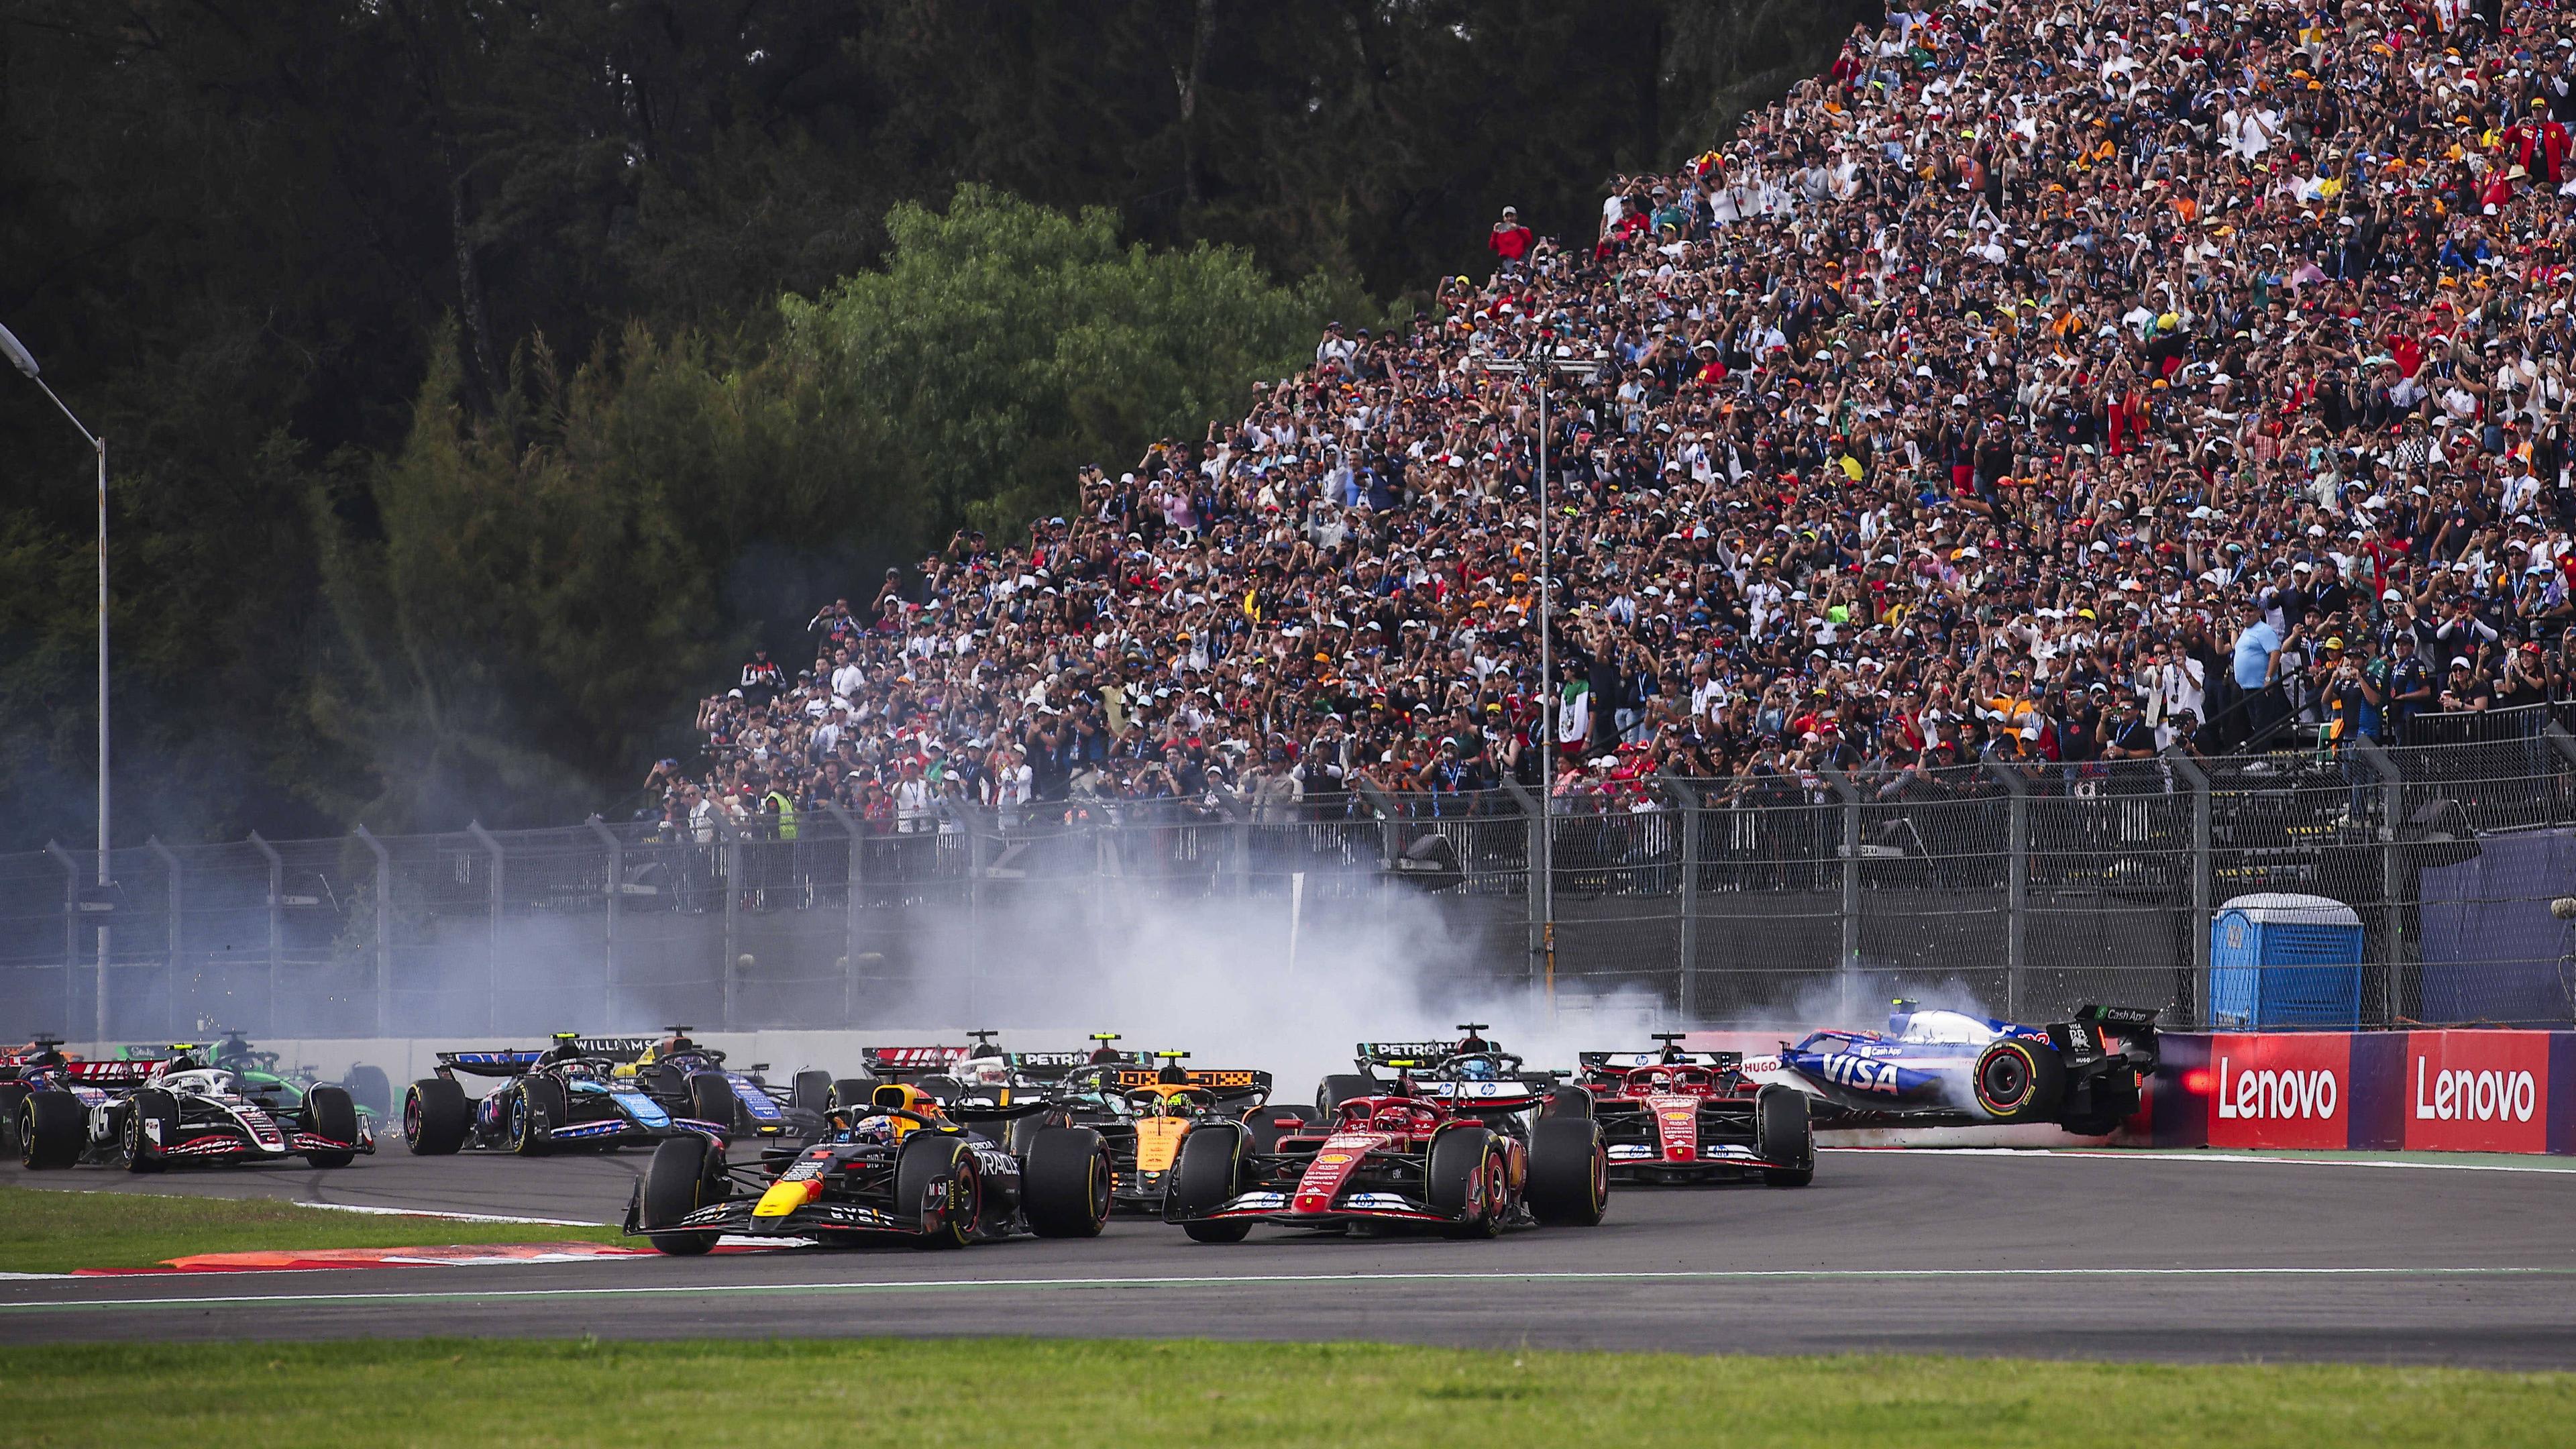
<point>1465,1158</point>
<point>1469,1058</point>
<point>1945,1067</point>
<point>903,1166</point>
<point>149,1114</point>
<point>566,1096</point>
<point>40,1054</point>
<point>279,1090</point>
<point>691,1080</point>
<point>1673,1116</point>
<point>1144,1115</point>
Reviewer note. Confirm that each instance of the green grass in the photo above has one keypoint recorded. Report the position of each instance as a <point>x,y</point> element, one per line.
<point>957,1394</point>
<point>46,1231</point>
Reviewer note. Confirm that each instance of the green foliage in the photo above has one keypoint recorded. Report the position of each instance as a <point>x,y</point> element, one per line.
<point>1008,345</point>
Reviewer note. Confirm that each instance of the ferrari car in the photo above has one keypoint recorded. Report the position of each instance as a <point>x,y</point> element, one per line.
<point>1946,1068</point>
<point>690,1079</point>
<point>904,1166</point>
<point>1674,1116</point>
<point>151,1114</point>
<point>1465,1158</point>
<point>566,1096</point>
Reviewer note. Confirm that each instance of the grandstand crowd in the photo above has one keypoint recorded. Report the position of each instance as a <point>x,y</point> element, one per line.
<point>2048,383</point>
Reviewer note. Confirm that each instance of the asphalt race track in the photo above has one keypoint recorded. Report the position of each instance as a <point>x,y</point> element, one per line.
<point>2060,1255</point>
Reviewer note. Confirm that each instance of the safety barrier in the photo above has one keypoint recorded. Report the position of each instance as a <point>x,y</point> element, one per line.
<point>2440,1091</point>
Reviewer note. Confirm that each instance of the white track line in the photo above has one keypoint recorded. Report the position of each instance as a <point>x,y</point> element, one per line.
<point>401,1212</point>
<point>1232,1280</point>
<point>2114,1154</point>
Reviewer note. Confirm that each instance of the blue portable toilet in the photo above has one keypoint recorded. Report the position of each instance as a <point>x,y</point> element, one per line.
<point>2277,959</point>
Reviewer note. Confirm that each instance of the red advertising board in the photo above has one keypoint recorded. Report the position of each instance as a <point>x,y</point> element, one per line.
<point>2280,1090</point>
<point>2477,1091</point>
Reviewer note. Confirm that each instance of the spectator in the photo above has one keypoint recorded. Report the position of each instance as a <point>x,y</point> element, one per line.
<point>1510,241</point>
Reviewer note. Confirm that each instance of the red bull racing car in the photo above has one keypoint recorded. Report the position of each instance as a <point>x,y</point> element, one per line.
<point>1674,1116</point>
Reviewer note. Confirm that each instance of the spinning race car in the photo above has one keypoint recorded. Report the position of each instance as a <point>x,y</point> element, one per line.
<point>903,1166</point>
<point>1465,1158</point>
<point>151,1114</point>
<point>566,1096</point>
<point>1672,1116</point>
<point>1945,1067</point>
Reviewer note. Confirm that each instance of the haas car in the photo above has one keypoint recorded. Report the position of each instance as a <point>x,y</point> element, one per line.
<point>902,1166</point>
<point>1463,1157</point>
<point>1674,1116</point>
<point>564,1097</point>
<point>1946,1067</point>
<point>151,1114</point>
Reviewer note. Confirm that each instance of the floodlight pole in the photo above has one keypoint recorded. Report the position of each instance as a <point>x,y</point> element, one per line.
<point>26,363</point>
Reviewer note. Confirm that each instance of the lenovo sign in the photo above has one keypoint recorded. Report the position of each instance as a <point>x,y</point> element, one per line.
<point>2280,1090</point>
<point>2477,1091</point>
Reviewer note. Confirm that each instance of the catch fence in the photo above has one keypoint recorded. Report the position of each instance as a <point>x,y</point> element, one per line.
<point>2426,873</point>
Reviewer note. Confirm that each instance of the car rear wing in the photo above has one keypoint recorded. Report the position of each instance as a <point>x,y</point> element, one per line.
<point>114,1072</point>
<point>519,1061</point>
<point>1049,1066</point>
<point>1506,1095</point>
<point>1407,1053</point>
<point>2089,1036</point>
<point>1630,1061</point>
<point>1223,1081</point>
<point>896,1063</point>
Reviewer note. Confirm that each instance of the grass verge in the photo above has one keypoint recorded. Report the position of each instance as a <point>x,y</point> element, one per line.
<point>961,1393</point>
<point>46,1231</point>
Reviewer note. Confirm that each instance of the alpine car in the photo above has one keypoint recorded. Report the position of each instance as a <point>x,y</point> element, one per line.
<point>1949,1068</point>
<point>691,1080</point>
<point>1674,1116</point>
<point>1465,1158</point>
<point>151,1114</point>
<point>567,1096</point>
<point>903,1166</point>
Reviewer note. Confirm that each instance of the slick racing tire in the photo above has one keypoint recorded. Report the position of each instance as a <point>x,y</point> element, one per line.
<point>1465,1182</point>
<point>812,1092</point>
<point>142,1152</point>
<point>1265,1125</point>
<point>1340,1088</point>
<point>2018,1081</point>
<point>435,1117</point>
<point>1210,1171</point>
<point>1569,1172</point>
<point>1567,1102</point>
<point>53,1128</point>
<point>677,1182</point>
<point>711,1100</point>
<point>535,1109</point>
<point>331,1112</point>
<point>1782,1133</point>
<point>928,1160</point>
<point>1064,1183</point>
<point>369,1088</point>
<point>13,1096</point>
<point>941,1088</point>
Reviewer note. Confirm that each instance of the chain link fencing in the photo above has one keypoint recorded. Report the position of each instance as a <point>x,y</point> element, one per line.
<point>2360,886</point>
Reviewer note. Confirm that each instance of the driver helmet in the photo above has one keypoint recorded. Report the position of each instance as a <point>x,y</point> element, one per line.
<point>878,1129</point>
<point>1478,1069</point>
<point>984,1072</point>
<point>186,1060</point>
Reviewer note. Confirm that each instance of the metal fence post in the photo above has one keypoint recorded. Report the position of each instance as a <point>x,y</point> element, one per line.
<point>276,920</point>
<point>2202,876</point>
<point>169,935</point>
<point>608,931</point>
<point>1535,884</point>
<point>1850,796</point>
<point>492,940</point>
<point>1686,797</point>
<point>384,930</point>
<point>854,895</point>
<point>2016,884</point>
<point>2397,998</point>
<point>71,932</point>
<point>732,840</point>
<point>1238,815</point>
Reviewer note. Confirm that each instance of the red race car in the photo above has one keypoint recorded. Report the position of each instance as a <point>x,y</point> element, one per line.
<point>1673,1116</point>
<point>1467,1159</point>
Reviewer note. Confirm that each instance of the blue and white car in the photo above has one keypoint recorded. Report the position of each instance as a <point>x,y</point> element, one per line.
<point>565,1097</point>
<point>1933,1068</point>
<point>690,1080</point>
